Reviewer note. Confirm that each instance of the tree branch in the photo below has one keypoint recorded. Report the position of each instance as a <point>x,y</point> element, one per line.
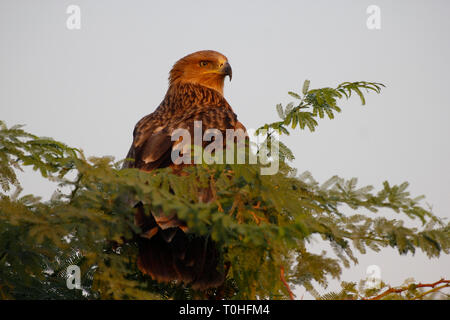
<point>420,285</point>
<point>291,295</point>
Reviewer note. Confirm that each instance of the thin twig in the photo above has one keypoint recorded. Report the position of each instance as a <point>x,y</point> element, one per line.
<point>420,285</point>
<point>430,291</point>
<point>77,187</point>
<point>257,218</point>
<point>214,193</point>
<point>291,295</point>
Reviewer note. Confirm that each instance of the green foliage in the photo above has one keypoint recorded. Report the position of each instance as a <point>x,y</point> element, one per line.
<point>408,291</point>
<point>316,103</point>
<point>262,223</point>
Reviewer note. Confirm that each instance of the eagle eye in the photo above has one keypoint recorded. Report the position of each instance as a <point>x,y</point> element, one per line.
<point>203,63</point>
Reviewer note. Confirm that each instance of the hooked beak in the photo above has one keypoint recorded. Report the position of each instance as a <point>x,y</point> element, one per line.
<point>226,70</point>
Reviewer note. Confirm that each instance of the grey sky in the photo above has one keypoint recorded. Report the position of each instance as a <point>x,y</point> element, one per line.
<point>89,87</point>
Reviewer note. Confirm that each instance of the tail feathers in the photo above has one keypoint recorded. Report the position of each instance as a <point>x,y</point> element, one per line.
<point>192,260</point>
<point>171,254</point>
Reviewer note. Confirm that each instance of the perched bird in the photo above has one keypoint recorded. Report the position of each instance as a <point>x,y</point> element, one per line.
<point>167,251</point>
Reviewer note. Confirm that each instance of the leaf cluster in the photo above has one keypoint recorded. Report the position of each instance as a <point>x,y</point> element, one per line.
<point>262,223</point>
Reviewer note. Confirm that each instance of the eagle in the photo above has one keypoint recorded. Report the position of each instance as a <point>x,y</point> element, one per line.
<point>167,250</point>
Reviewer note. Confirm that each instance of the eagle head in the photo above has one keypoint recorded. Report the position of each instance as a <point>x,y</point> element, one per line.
<point>207,68</point>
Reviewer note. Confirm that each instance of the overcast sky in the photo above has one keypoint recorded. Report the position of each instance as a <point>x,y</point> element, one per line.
<point>89,87</point>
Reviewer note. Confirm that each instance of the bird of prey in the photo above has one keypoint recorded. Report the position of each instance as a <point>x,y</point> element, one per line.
<point>167,251</point>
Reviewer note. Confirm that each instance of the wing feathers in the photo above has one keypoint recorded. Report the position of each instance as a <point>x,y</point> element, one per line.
<point>155,146</point>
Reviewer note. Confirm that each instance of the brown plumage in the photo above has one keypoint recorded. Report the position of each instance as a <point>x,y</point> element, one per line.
<point>167,251</point>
